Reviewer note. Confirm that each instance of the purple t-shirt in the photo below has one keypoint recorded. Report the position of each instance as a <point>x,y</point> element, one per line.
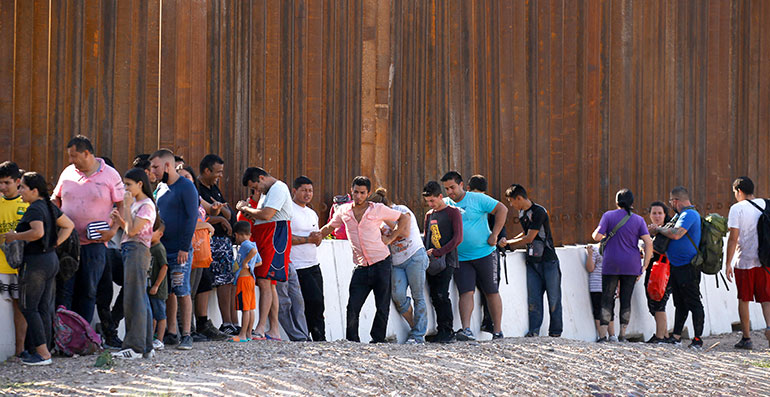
<point>621,254</point>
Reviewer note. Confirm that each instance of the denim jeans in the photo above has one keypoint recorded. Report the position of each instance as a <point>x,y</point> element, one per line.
<point>439,296</point>
<point>311,282</point>
<point>36,297</point>
<point>291,308</point>
<point>412,274</point>
<point>113,272</point>
<point>544,277</point>
<point>136,302</point>
<point>373,278</point>
<point>79,292</point>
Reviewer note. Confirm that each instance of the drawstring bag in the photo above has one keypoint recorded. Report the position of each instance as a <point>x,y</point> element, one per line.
<point>659,275</point>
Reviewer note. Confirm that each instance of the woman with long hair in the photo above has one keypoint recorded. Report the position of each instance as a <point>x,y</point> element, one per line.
<point>659,216</point>
<point>621,265</point>
<point>38,227</point>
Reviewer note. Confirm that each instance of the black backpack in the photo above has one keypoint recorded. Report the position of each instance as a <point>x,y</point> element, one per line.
<point>69,257</point>
<point>763,234</point>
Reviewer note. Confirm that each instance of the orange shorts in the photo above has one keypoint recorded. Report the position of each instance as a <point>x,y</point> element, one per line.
<point>245,297</point>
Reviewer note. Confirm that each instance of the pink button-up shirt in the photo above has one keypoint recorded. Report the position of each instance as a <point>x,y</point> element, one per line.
<point>365,237</point>
<point>86,199</point>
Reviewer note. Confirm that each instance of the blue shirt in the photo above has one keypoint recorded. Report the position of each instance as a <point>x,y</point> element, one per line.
<point>474,207</point>
<point>680,252</point>
<point>178,207</point>
<point>243,252</point>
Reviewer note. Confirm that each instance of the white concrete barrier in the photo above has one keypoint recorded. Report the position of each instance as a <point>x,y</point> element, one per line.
<point>337,267</point>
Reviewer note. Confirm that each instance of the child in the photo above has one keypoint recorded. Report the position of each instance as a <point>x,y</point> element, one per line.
<point>158,292</point>
<point>245,297</point>
<point>137,219</point>
<point>594,267</point>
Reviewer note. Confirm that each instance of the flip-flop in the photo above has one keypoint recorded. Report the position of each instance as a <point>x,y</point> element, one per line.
<point>255,336</point>
<point>235,339</point>
<point>271,338</point>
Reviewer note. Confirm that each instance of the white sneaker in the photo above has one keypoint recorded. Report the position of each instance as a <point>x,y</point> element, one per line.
<point>613,338</point>
<point>127,354</point>
<point>151,354</point>
<point>157,344</point>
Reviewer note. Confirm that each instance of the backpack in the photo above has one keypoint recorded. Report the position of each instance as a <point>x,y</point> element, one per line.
<point>713,229</point>
<point>73,335</point>
<point>69,257</point>
<point>763,234</point>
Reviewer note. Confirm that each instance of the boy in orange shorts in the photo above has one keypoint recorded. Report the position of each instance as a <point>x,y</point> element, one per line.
<point>245,297</point>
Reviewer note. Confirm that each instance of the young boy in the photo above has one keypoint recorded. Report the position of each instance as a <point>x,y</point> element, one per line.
<point>245,297</point>
<point>158,292</point>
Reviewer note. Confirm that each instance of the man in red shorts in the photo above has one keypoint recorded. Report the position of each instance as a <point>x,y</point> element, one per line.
<point>752,279</point>
<point>272,234</point>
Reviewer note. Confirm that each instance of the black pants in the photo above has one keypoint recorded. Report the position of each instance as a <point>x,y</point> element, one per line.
<point>609,285</point>
<point>311,282</point>
<point>373,278</point>
<point>37,290</point>
<point>487,322</point>
<point>685,288</point>
<point>439,296</point>
<point>113,272</point>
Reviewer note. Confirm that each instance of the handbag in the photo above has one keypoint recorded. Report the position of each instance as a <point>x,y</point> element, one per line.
<point>535,251</point>
<point>436,265</point>
<point>659,275</point>
<point>614,230</point>
<point>14,253</point>
<point>201,243</point>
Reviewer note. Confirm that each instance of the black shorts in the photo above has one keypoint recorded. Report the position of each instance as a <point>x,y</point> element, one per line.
<point>482,271</point>
<point>596,306</point>
<point>207,279</point>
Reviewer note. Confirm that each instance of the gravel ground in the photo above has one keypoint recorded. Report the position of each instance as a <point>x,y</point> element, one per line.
<point>541,366</point>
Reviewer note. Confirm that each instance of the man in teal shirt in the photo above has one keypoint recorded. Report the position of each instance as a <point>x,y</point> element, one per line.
<point>477,263</point>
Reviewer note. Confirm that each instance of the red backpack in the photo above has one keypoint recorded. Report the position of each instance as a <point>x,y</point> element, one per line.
<point>73,335</point>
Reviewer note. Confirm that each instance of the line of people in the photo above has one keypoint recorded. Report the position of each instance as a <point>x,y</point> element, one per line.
<point>169,238</point>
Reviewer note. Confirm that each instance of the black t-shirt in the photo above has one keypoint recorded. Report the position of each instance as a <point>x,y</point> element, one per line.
<point>211,194</point>
<point>536,217</point>
<point>443,233</point>
<point>40,211</point>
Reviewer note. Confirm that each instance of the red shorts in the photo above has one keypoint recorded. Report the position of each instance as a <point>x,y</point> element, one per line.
<point>753,284</point>
<point>273,241</point>
<point>245,297</point>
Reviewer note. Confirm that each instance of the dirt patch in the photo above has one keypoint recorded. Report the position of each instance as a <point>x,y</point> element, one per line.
<point>509,366</point>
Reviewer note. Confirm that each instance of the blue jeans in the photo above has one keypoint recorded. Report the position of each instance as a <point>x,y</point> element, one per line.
<point>412,274</point>
<point>544,277</point>
<point>79,292</point>
<point>179,275</point>
<point>136,302</point>
<point>373,278</point>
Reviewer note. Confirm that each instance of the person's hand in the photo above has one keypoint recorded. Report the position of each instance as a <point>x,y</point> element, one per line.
<point>492,240</point>
<point>730,272</point>
<point>117,218</point>
<point>107,235</point>
<point>181,258</point>
<point>589,249</point>
<point>241,205</point>
<point>315,238</point>
<point>502,243</point>
<point>652,228</point>
<point>11,236</point>
<point>153,290</point>
<point>210,229</point>
<point>430,252</point>
<point>216,207</point>
<point>228,228</point>
<point>128,199</point>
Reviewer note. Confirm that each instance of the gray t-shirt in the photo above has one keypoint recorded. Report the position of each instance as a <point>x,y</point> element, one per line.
<point>279,199</point>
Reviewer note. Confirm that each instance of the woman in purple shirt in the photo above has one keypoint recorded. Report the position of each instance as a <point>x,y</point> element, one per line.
<point>621,259</point>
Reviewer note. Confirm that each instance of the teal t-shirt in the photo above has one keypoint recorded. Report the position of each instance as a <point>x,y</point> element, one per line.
<point>474,207</point>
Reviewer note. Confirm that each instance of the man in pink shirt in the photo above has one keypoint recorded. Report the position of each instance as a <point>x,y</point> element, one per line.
<point>85,192</point>
<point>371,255</point>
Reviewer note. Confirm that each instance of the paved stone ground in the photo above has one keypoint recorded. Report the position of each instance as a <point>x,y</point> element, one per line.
<point>531,366</point>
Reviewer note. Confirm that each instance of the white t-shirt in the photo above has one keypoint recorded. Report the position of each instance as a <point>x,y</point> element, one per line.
<point>279,199</point>
<point>303,221</point>
<point>744,217</point>
<point>403,249</point>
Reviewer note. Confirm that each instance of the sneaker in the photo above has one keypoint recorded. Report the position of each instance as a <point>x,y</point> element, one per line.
<point>498,335</point>
<point>23,355</point>
<point>197,337</point>
<point>675,341</point>
<point>212,333</point>
<point>697,343</point>
<point>170,339</point>
<point>157,344</point>
<point>185,343</point>
<point>530,335</point>
<point>603,339</point>
<point>654,339</point>
<point>488,328</point>
<point>127,354</point>
<point>622,338</point>
<point>113,343</point>
<point>150,354</point>
<point>554,335</point>
<point>444,337</point>
<point>745,344</point>
<point>613,338</point>
<point>410,341</point>
<point>465,335</point>
<point>669,340</point>
<point>35,359</point>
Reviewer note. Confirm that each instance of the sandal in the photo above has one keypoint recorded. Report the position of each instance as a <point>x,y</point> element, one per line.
<point>256,336</point>
<point>237,339</point>
<point>274,339</point>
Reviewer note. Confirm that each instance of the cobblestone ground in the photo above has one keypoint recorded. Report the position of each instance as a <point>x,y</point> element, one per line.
<point>531,366</point>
